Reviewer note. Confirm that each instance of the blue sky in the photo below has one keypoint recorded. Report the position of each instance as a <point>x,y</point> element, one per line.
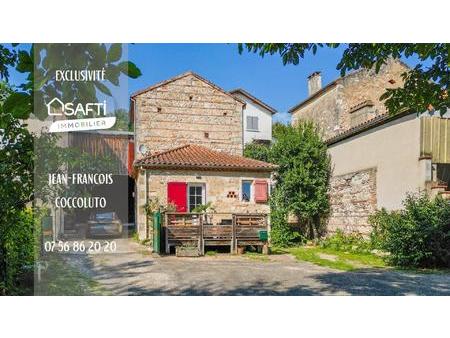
<point>266,78</point>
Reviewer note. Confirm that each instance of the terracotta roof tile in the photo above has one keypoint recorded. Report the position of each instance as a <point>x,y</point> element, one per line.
<point>197,157</point>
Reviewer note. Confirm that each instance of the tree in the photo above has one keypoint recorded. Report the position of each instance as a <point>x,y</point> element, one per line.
<point>302,180</point>
<point>42,60</point>
<point>122,120</point>
<point>258,151</point>
<point>16,189</point>
<point>17,153</point>
<point>425,86</point>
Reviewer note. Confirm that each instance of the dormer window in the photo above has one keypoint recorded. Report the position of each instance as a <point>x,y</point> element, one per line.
<point>360,113</point>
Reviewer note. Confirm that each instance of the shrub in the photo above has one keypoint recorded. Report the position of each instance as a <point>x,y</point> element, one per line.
<point>418,236</point>
<point>353,242</point>
<point>281,233</point>
<point>18,251</point>
<point>301,180</point>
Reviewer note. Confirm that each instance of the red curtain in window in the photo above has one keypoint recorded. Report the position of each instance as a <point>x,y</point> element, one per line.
<point>176,194</point>
<point>261,191</point>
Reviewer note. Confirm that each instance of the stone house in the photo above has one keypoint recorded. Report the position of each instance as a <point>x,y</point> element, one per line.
<point>377,159</point>
<point>189,150</point>
<point>257,117</point>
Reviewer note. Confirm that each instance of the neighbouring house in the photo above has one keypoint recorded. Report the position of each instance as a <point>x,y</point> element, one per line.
<point>188,149</point>
<point>257,117</point>
<point>377,159</point>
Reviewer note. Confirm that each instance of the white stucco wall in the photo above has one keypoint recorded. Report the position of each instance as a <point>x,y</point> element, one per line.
<point>265,120</point>
<point>393,149</point>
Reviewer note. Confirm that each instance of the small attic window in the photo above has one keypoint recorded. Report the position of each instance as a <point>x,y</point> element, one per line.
<point>391,81</point>
<point>206,135</point>
<point>225,114</point>
<point>158,109</point>
<point>190,97</point>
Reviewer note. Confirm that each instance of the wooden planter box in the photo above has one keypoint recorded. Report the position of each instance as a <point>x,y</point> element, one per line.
<point>187,251</point>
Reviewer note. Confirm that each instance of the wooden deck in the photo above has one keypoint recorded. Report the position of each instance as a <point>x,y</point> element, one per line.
<point>215,229</point>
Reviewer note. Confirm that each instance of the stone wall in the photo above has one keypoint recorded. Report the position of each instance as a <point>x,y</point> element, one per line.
<point>353,197</point>
<point>366,85</point>
<point>218,185</point>
<point>323,110</point>
<point>332,109</point>
<point>188,111</point>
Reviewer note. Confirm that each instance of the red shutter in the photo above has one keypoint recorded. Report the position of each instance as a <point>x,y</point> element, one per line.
<point>261,191</point>
<point>130,157</point>
<point>176,194</point>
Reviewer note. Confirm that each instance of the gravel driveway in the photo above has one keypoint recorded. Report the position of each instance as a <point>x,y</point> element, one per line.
<point>133,271</point>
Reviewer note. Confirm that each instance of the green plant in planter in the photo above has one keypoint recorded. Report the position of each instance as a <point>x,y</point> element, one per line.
<point>153,205</point>
<point>204,208</point>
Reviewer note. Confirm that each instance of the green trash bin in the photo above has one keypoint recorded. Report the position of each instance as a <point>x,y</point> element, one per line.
<point>263,235</point>
<point>157,232</point>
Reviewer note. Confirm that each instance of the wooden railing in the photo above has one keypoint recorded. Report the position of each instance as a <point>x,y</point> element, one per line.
<point>214,229</point>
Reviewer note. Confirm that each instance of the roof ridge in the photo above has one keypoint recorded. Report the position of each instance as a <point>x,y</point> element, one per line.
<point>180,76</point>
<point>164,152</point>
<point>254,99</point>
<point>341,78</point>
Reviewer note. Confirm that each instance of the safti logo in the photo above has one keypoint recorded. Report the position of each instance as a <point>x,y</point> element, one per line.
<point>56,107</point>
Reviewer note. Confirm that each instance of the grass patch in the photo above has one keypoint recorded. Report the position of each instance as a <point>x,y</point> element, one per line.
<point>211,253</point>
<point>62,279</point>
<point>340,260</point>
<point>257,256</point>
<point>275,250</point>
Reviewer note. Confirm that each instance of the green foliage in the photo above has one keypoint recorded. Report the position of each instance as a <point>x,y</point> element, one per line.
<point>301,180</point>
<point>425,86</point>
<point>282,234</point>
<point>16,144</point>
<point>122,120</point>
<point>337,259</point>
<point>8,58</point>
<point>40,63</point>
<point>17,249</point>
<point>258,151</point>
<point>304,171</point>
<point>418,236</point>
<point>153,205</point>
<point>16,164</point>
<point>353,242</point>
<point>61,278</point>
<point>203,208</point>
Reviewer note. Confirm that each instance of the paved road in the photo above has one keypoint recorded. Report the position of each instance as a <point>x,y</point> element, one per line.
<point>133,271</point>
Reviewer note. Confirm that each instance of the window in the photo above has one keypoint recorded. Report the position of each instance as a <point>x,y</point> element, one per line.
<point>246,191</point>
<point>361,112</point>
<point>195,196</point>
<point>252,123</point>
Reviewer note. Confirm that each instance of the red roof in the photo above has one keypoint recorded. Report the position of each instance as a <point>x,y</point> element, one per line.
<point>197,157</point>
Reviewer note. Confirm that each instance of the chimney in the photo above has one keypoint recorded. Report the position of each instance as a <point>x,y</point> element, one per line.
<point>314,83</point>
